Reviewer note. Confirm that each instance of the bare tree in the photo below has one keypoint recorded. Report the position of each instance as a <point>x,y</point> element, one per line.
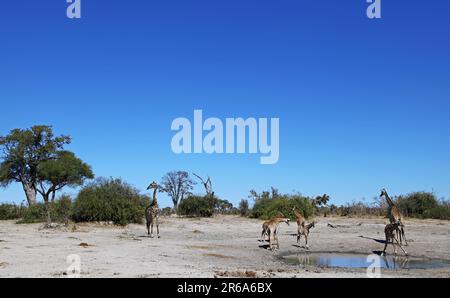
<point>206,184</point>
<point>177,185</point>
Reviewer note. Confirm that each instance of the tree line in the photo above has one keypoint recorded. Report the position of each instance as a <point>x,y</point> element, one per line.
<point>37,159</point>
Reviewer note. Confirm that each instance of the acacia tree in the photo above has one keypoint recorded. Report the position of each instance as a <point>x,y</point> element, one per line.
<point>321,201</point>
<point>23,150</point>
<point>177,185</point>
<point>64,170</point>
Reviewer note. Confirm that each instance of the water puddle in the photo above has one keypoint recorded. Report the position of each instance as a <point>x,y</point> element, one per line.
<point>342,260</point>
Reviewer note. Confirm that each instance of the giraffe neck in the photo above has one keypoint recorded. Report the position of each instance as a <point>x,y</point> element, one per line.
<point>389,201</point>
<point>280,220</point>
<point>155,200</point>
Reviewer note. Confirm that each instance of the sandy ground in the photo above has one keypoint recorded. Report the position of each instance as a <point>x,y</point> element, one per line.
<point>220,246</point>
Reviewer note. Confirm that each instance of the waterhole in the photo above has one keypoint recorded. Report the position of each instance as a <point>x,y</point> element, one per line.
<point>342,260</point>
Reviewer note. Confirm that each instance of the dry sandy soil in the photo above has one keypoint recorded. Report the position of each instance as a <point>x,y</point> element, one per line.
<point>224,246</point>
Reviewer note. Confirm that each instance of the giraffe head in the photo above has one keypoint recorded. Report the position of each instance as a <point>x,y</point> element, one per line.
<point>153,185</point>
<point>285,220</point>
<point>383,193</point>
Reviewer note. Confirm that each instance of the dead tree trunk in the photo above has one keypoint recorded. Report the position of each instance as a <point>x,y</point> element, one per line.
<point>206,184</point>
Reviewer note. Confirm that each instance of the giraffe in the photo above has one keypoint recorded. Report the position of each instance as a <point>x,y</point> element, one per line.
<point>152,211</point>
<point>265,227</point>
<point>395,216</point>
<point>273,228</point>
<point>304,231</point>
<point>300,218</point>
<point>390,231</point>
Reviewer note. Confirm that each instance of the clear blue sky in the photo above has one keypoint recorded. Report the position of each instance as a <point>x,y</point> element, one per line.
<point>363,104</point>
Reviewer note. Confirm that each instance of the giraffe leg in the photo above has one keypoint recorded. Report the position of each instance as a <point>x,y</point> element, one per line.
<point>157,226</point>
<point>404,251</point>
<point>385,245</point>
<point>394,240</point>
<point>306,237</point>
<point>398,235</point>
<point>270,240</point>
<point>404,237</point>
<point>151,234</point>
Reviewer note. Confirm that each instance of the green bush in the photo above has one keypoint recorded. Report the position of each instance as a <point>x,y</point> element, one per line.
<point>34,214</point>
<point>61,209</point>
<point>268,207</point>
<point>11,211</point>
<point>439,212</point>
<point>197,206</point>
<point>167,211</point>
<point>109,200</point>
<point>418,204</point>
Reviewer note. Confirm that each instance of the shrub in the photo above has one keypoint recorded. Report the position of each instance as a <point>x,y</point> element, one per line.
<point>223,207</point>
<point>267,207</point>
<point>11,211</point>
<point>61,209</point>
<point>198,206</point>
<point>418,204</point>
<point>109,200</point>
<point>36,213</point>
<point>358,209</point>
<point>167,211</point>
<point>439,212</point>
<point>244,208</point>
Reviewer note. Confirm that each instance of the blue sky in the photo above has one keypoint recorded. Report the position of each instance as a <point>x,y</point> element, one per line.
<point>363,104</point>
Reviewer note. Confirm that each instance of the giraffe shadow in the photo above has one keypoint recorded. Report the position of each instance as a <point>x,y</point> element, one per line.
<point>378,252</point>
<point>300,246</point>
<point>264,246</point>
<point>376,240</point>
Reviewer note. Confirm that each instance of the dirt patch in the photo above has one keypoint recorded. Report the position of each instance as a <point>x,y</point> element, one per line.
<point>84,245</point>
<point>218,256</point>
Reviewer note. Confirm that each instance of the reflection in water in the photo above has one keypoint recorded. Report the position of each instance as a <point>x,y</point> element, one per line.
<point>361,261</point>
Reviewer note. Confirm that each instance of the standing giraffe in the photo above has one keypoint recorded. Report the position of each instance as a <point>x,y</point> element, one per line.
<point>265,227</point>
<point>273,228</point>
<point>152,211</point>
<point>304,231</point>
<point>300,218</point>
<point>395,217</point>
